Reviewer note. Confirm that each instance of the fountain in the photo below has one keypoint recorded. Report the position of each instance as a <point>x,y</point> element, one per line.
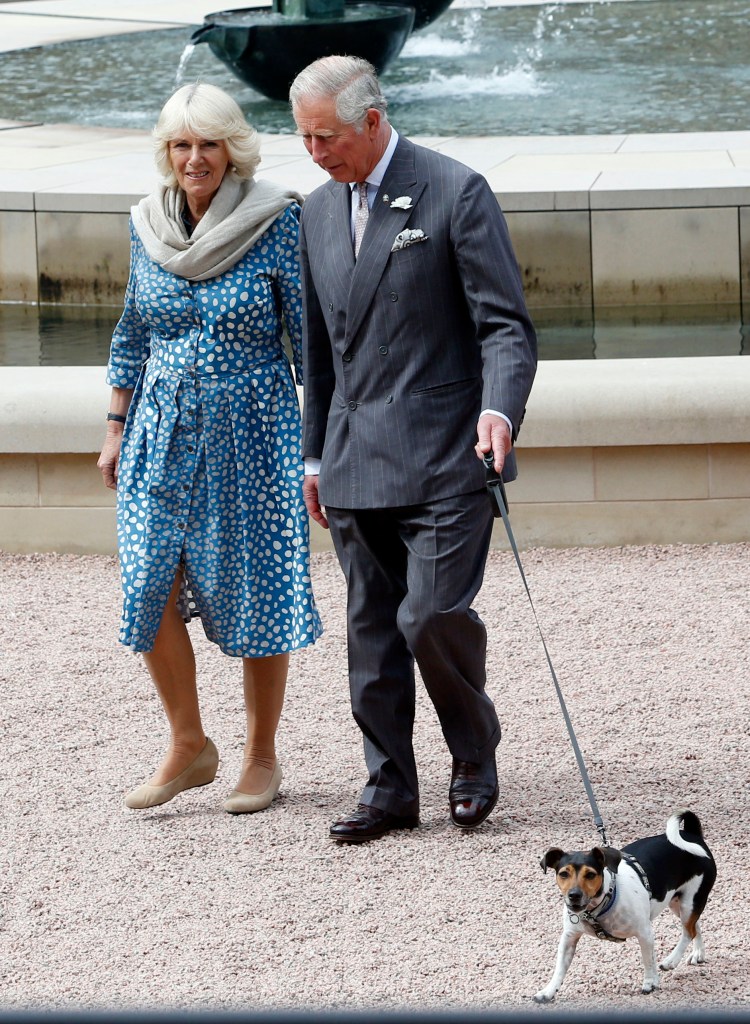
<point>268,48</point>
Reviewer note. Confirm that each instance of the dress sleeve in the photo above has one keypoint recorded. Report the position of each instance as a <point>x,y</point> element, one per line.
<point>131,338</point>
<point>289,283</point>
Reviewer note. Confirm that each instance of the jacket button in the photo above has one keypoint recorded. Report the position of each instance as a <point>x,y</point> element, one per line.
<point>352,405</point>
<point>394,297</point>
<point>347,357</point>
<point>330,307</point>
<point>383,350</point>
<point>389,399</point>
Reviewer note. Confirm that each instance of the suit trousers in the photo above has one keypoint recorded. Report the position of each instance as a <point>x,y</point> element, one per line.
<point>412,573</point>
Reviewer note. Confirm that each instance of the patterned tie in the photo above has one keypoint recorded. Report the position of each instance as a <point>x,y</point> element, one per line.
<point>360,217</point>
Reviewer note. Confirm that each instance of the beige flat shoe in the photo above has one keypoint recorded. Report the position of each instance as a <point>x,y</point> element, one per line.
<point>199,772</point>
<point>248,803</point>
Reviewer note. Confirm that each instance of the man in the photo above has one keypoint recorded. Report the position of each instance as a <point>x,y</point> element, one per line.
<point>419,356</point>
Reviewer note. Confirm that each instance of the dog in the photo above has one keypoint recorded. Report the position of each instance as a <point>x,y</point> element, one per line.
<point>613,894</point>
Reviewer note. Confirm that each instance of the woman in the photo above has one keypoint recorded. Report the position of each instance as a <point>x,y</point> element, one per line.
<point>203,439</point>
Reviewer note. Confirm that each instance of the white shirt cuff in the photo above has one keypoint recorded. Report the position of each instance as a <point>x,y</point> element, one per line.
<point>494,412</point>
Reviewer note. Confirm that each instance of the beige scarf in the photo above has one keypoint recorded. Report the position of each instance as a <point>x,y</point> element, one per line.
<point>238,215</point>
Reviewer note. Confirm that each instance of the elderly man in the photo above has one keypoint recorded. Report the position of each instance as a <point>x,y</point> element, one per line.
<point>419,358</point>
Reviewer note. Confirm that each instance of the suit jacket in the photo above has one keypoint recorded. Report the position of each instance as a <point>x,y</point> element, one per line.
<point>403,349</point>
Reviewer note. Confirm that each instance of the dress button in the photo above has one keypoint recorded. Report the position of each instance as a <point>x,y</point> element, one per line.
<point>352,405</point>
<point>347,357</point>
<point>186,487</point>
<point>191,448</point>
<point>180,526</point>
<point>383,350</point>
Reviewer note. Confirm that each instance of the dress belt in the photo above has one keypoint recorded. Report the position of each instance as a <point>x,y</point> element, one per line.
<point>155,365</point>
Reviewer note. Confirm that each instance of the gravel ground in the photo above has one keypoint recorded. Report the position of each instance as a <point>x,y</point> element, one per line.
<point>188,907</point>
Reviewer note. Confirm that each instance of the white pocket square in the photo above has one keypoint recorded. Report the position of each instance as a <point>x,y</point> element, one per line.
<point>410,236</point>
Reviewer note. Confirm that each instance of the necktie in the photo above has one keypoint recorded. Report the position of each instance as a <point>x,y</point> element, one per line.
<point>360,217</point>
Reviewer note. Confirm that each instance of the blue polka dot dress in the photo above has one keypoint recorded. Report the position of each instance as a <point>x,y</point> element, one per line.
<point>210,472</point>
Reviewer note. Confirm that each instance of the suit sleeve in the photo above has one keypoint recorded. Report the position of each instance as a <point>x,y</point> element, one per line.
<point>317,358</point>
<point>493,291</point>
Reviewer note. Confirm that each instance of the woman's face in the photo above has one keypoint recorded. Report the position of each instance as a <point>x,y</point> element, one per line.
<point>199,166</point>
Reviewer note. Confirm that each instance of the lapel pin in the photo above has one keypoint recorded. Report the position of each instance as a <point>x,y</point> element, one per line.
<point>386,198</point>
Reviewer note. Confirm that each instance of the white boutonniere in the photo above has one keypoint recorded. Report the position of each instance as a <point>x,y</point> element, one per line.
<point>408,237</point>
<point>402,203</point>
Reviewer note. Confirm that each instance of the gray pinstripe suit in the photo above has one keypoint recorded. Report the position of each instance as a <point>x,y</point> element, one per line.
<point>402,351</point>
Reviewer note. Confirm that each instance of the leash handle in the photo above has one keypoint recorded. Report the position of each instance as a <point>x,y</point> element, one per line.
<point>494,483</point>
<point>496,490</point>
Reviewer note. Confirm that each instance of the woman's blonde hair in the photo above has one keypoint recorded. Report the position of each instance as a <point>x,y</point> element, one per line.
<point>209,113</point>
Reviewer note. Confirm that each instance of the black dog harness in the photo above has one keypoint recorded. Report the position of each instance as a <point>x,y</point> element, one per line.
<point>591,918</point>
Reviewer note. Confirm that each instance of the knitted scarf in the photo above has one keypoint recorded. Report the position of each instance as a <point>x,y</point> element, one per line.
<point>238,215</point>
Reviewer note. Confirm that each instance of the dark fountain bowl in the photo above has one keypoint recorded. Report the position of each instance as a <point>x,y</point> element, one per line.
<point>425,11</point>
<point>267,50</point>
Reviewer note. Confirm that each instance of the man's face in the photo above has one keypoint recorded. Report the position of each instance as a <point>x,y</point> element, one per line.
<point>348,152</point>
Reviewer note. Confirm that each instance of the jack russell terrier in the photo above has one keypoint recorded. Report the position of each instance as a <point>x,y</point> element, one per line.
<point>613,894</point>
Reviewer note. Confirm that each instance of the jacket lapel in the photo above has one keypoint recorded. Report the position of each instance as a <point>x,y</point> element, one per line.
<point>340,247</point>
<point>382,227</point>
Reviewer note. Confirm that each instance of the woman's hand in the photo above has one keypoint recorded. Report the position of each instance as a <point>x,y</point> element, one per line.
<point>109,459</point>
<point>110,456</point>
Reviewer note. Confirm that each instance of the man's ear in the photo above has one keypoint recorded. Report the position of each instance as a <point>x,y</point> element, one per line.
<point>373,118</point>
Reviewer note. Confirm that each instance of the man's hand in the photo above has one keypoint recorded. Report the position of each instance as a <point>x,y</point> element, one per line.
<point>493,435</point>
<point>310,494</point>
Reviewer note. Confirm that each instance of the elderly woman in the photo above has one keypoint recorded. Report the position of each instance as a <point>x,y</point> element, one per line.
<point>203,439</point>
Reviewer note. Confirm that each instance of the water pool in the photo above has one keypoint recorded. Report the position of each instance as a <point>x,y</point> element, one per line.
<point>50,335</point>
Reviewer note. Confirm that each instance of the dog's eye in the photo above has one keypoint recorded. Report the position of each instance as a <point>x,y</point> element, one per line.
<point>590,875</point>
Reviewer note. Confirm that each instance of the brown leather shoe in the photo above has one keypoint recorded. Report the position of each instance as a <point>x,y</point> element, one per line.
<point>473,792</point>
<point>369,822</point>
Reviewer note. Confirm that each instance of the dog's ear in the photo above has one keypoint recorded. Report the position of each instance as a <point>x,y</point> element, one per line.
<point>551,859</point>
<point>608,856</point>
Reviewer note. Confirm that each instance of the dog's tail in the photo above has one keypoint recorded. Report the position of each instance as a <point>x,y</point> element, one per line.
<point>692,825</point>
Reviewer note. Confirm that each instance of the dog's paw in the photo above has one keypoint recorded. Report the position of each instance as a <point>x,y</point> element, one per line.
<point>649,986</point>
<point>696,958</point>
<point>544,996</point>
<point>667,964</point>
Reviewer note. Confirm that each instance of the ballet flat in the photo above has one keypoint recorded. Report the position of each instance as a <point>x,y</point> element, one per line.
<point>248,803</point>
<point>199,772</point>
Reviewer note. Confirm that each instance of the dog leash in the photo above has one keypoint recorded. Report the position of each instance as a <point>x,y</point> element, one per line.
<point>496,490</point>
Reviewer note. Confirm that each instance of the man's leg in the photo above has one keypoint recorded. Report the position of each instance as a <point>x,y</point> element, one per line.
<point>381,667</point>
<point>447,543</point>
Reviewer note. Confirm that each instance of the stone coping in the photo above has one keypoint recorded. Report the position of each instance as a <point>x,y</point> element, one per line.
<point>574,403</point>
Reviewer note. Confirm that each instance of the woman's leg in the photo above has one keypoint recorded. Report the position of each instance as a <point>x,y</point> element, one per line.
<point>171,664</point>
<point>264,681</point>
